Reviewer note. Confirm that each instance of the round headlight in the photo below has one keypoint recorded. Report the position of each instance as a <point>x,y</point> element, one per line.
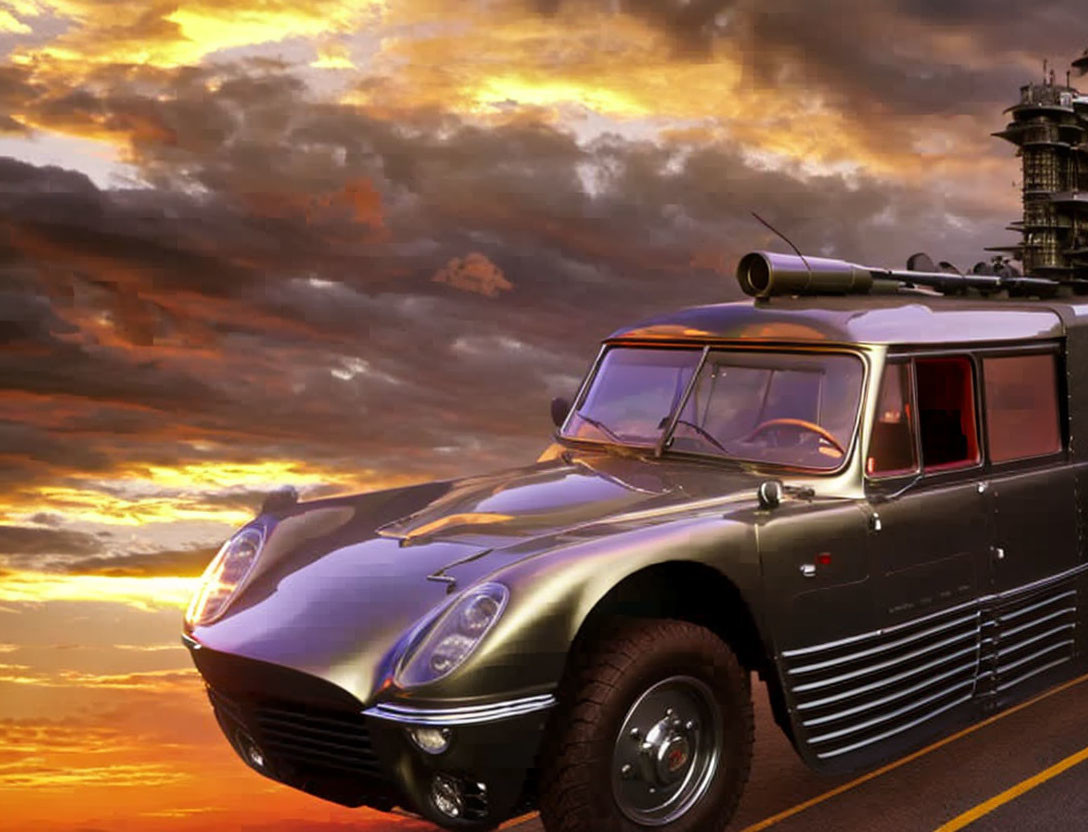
<point>456,635</point>
<point>225,574</point>
<point>450,652</point>
<point>478,614</point>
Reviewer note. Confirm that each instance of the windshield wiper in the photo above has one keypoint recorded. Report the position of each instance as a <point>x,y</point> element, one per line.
<point>601,426</point>
<point>703,432</point>
<point>662,440</point>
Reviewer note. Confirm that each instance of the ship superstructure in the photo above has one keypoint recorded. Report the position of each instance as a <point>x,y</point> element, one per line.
<point>1049,126</point>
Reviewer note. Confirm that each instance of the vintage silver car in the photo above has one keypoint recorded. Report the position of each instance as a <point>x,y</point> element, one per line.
<point>866,489</point>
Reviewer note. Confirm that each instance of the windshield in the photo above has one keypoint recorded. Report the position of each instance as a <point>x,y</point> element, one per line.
<point>786,408</point>
<point>632,396</point>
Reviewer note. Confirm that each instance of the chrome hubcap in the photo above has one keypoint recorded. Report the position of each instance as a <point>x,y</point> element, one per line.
<point>667,751</point>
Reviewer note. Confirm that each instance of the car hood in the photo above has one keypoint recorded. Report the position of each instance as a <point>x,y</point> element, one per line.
<point>528,502</point>
<point>338,595</point>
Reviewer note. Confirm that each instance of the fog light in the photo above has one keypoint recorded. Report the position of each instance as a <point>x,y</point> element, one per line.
<point>447,796</point>
<point>252,754</point>
<point>431,740</point>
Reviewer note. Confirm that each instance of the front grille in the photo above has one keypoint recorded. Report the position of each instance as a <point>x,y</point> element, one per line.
<point>322,751</point>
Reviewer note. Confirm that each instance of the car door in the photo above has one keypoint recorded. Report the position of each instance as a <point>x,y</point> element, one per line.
<point>914,671</point>
<point>1033,498</point>
<point>931,532</point>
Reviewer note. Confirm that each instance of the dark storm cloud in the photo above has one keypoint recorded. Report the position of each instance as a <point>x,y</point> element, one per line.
<point>890,57</point>
<point>16,89</point>
<point>274,293</point>
<point>29,540</point>
<point>24,444</point>
<point>692,24</point>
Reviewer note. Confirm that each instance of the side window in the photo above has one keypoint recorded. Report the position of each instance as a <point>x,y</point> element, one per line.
<point>1021,406</point>
<point>946,412</point>
<point>891,447</point>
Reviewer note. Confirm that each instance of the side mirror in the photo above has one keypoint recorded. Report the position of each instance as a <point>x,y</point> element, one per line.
<point>769,494</point>
<point>560,409</point>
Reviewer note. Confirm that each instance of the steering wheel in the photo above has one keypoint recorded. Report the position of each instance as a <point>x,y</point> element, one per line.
<point>799,424</point>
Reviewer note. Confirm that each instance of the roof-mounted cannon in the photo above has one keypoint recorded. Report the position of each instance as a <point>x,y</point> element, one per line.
<point>765,274</point>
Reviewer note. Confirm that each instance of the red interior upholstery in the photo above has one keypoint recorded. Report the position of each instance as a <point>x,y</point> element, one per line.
<point>946,409</point>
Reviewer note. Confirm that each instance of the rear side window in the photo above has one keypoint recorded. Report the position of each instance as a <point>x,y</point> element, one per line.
<point>946,412</point>
<point>1021,406</point>
<point>891,448</point>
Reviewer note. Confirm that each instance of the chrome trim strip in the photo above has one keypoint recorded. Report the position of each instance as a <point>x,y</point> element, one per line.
<point>1006,634</point>
<point>1068,573</point>
<point>891,680</point>
<point>872,668</point>
<point>1017,645</point>
<point>861,726</point>
<point>894,731</point>
<point>1035,672</point>
<point>983,599</point>
<point>883,648</point>
<point>469,715</point>
<point>191,642</point>
<point>883,631</point>
<point>1002,668</point>
<point>876,703</point>
<point>1053,598</point>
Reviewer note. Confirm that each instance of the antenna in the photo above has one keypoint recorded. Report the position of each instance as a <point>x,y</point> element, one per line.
<point>796,250</point>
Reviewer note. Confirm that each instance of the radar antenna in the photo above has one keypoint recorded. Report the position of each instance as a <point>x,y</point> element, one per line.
<point>796,250</point>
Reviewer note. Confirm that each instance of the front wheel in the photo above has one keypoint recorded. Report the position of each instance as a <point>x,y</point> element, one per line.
<point>653,731</point>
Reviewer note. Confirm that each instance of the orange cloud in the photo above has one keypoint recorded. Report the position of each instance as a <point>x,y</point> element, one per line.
<point>154,681</point>
<point>474,273</point>
<point>92,505</point>
<point>356,201</point>
<point>113,776</point>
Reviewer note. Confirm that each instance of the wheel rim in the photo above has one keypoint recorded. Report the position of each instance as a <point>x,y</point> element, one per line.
<point>667,751</point>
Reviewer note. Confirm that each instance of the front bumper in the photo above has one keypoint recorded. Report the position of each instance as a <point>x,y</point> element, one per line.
<point>314,736</point>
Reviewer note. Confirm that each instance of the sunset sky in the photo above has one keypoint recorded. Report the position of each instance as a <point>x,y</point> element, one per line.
<point>352,245</point>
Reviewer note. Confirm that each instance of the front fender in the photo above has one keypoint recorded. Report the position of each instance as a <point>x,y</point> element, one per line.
<point>553,593</point>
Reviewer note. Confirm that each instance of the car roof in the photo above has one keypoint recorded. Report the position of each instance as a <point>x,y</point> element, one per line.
<point>864,319</point>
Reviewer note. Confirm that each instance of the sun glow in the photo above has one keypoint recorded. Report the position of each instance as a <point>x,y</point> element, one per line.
<point>150,593</point>
<point>90,505</point>
<point>512,89</point>
<point>215,492</point>
<point>134,34</point>
<point>222,475</point>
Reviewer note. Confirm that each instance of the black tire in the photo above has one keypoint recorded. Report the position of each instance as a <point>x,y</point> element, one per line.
<point>611,684</point>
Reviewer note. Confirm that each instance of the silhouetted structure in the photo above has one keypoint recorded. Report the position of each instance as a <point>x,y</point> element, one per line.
<point>1050,127</point>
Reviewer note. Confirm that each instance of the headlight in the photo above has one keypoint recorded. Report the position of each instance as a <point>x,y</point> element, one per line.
<point>456,635</point>
<point>225,574</point>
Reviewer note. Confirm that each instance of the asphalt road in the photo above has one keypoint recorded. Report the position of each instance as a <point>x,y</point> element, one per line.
<point>1024,769</point>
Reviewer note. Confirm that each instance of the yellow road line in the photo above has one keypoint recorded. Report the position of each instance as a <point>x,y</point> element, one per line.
<point>510,824</point>
<point>902,761</point>
<point>971,815</point>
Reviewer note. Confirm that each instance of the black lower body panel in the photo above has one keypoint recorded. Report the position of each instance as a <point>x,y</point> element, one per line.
<point>312,735</point>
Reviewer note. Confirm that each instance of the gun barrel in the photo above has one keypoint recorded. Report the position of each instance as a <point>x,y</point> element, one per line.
<point>764,274</point>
